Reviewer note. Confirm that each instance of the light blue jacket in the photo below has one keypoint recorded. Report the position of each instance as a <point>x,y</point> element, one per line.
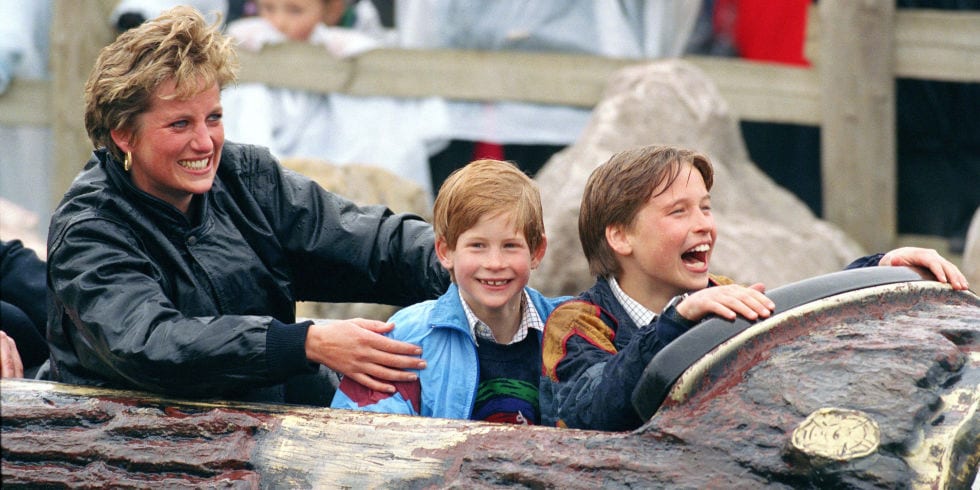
<point>449,383</point>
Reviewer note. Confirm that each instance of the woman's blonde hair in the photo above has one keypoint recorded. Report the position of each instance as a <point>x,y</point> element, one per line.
<point>178,45</point>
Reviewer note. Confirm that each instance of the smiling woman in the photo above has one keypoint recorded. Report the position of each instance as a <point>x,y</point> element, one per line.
<point>179,145</point>
<point>175,259</point>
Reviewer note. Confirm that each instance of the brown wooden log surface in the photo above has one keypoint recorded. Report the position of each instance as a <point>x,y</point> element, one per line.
<point>908,355</point>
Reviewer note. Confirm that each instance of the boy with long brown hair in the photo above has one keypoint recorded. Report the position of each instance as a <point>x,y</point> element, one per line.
<point>648,233</point>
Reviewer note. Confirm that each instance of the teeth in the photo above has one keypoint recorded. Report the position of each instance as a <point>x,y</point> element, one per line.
<point>704,247</point>
<point>495,283</point>
<point>194,164</point>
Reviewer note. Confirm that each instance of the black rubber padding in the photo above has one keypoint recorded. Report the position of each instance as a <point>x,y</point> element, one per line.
<point>667,366</point>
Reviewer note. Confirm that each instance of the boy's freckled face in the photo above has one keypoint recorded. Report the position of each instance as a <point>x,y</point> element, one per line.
<point>491,264</point>
<point>671,242</point>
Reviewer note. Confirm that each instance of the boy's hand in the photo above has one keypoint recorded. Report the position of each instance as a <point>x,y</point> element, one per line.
<point>356,348</point>
<point>929,264</point>
<point>727,302</point>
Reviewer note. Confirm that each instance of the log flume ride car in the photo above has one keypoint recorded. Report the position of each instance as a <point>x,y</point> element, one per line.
<point>862,379</point>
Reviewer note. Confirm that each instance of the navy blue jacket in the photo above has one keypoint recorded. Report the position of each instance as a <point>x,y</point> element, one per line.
<point>593,356</point>
<point>23,307</point>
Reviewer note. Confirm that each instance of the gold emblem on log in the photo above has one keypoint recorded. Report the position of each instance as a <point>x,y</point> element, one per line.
<point>837,434</point>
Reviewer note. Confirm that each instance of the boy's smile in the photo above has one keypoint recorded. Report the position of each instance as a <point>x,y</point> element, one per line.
<point>697,256</point>
<point>491,264</point>
<point>667,250</point>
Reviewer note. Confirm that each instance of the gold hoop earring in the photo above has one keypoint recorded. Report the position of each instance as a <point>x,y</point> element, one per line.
<point>128,162</point>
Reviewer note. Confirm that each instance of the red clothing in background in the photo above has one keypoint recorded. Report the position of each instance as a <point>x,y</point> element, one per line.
<point>767,30</point>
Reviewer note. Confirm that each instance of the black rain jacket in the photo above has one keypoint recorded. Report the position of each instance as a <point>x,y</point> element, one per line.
<point>147,298</point>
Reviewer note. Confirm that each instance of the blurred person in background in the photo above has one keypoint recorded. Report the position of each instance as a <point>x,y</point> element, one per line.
<point>523,132</point>
<point>25,162</point>
<point>396,134</point>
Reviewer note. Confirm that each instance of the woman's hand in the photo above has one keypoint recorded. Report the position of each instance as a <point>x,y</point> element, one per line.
<point>12,367</point>
<point>929,264</point>
<point>357,348</point>
<point>727,302</point>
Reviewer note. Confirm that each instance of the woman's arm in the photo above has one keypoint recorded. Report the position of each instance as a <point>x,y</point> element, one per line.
<point>342,252</point>
<point>118,319</point>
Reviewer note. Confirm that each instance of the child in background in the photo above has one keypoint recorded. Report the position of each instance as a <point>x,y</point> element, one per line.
<point>481,339</point>
<point>26,164</point>
<point>395,134</point>
<point>646,227</point>
<point>303,21</point>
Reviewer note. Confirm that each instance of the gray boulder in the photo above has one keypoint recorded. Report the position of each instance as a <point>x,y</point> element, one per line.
<point>766,234</point>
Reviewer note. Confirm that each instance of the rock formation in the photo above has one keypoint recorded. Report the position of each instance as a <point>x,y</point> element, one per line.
<point>765,233</point>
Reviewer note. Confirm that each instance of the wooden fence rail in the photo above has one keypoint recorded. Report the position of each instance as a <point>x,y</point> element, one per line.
<point>857,50</point>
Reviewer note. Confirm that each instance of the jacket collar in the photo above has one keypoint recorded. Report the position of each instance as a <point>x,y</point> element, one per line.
<point>158,209</point>
<point>448,312</point>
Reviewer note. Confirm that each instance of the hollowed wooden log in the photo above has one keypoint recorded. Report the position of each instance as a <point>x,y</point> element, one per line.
<point>903,359</point>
